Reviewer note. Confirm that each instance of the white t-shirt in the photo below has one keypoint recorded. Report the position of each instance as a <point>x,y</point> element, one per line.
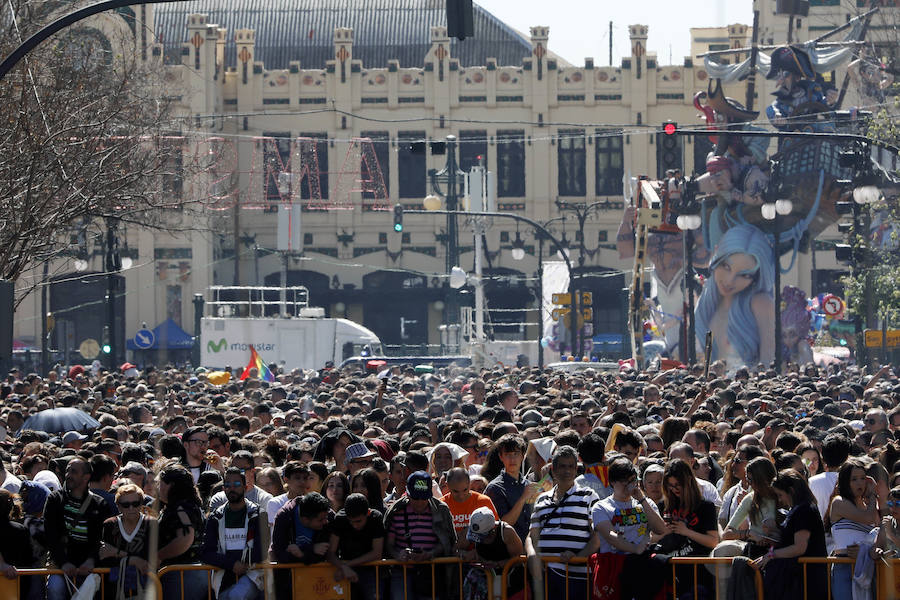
<point>628,520</point>
<point>274,506</point>
<point>822,486</point>
<point>709,492</point>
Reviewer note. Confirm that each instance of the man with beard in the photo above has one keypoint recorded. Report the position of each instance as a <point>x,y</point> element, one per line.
<point>232,542</point>
<point>73,521</point>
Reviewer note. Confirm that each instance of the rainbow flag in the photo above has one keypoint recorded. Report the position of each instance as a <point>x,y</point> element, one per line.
<point>257,362</point>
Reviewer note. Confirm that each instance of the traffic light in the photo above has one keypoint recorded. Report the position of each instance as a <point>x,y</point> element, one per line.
<point>843,253</point>
<point>460,19</point>
<point>106,348</point>
<point>668,149</point>
<point>398,218</point>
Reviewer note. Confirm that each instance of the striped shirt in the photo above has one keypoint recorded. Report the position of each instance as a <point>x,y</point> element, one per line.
<point>413,530</point>
<point>564,525</point>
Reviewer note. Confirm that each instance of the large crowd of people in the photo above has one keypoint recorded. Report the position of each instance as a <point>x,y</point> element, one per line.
<point>344,468</point>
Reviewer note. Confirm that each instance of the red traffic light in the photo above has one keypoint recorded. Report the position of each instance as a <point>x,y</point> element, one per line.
<point>670,128</point>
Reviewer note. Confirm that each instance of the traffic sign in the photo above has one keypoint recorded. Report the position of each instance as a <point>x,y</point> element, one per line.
<point>832,305</point>
<point>587,298</point>
<point>562,299</point>
<point>144,339</point>
<point>873,338</point>
<point>89,348</point>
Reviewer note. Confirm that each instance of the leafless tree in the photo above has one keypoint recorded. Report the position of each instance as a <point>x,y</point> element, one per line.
<point>86,134</point>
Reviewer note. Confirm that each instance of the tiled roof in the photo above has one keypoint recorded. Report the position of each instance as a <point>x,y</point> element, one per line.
<point>303,30</point>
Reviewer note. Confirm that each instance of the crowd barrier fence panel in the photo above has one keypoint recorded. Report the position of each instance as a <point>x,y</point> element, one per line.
<point>316,581</point>
<point>180,570</point>
<point>828,561</point>
<point>11,588</point>
<point>887,575</point>
<point>695,561</point>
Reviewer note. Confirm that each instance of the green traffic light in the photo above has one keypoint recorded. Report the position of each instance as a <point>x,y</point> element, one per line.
<point>398,227</point>
<point>106,348</point>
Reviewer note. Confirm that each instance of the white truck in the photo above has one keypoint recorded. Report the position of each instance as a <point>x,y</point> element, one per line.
<point>281,326</point>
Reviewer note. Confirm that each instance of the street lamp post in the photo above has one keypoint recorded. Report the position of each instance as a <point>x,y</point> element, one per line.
<point>113,266</point>
<point>688,221</point>
<point>541,230</point>
<point>518,253</point>
<point>198,317</point>
<point>773,211</point>
<point>449,175</point>
<point>582,211</point>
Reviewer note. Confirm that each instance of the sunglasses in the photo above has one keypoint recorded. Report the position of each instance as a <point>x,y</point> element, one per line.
<point>893,503</point>
<point>134,504</point>
<point>232,484</point>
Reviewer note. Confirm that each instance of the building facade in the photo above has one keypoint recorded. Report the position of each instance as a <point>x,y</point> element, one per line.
<point>335,110</point>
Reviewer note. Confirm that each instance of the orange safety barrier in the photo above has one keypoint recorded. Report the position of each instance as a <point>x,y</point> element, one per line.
<point>316,581</point>
<point>887,573</point>
<point>10,588</point>
<point>546,560</point>
<point>710,560</point>
<point>181,570</point>
<point>695,561</point>
<point>823,560</point>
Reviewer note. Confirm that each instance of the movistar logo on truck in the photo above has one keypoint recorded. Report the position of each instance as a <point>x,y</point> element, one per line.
<point>222,344</point>
<point>214,347</point>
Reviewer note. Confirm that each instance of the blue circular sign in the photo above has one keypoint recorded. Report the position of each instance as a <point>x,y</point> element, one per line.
<point>144,339</point>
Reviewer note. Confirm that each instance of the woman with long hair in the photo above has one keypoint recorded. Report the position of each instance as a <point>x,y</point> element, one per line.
<point>692,531</point>
<point>736,303</point>
<point>672,430</point>
<point>125,545</point>
<point>811,458</point>
<point>336,488</point>
<point>851,516</point>
<point>367,483</point>
<point>802,535</point>
<point>758,508</point>
<point>180,531</point>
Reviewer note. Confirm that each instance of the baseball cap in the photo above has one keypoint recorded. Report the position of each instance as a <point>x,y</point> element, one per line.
<point>418,486</point>
<point>481,523</point>
<point>73,436</point>
<point>358,450</point>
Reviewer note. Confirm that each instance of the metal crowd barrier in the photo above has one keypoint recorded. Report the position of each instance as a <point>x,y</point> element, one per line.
<point>828,561</point>
<point>710,560</point>
<point>887,573</point>
<point>319,577</point>
<point>11,588</point>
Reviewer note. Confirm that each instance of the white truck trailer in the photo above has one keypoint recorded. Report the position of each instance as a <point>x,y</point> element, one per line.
<point>281,326</point>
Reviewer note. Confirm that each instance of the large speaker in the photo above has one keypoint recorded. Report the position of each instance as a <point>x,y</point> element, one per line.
<point>7,295</point>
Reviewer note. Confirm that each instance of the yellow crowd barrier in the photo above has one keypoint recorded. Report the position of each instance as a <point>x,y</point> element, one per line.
<point>887,573</point>
<point>11,588</point>
<point>828,561</point>
<point>317,582</point>
<point>695,561</point>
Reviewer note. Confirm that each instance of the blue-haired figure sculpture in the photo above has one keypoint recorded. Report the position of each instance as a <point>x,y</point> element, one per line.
<point>737,301</point>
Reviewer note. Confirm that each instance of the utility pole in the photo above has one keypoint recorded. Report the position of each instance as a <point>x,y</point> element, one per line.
<point>198,316</point>
<point>449,175</point>
<point>44,317</point>
<point>113,266</point>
